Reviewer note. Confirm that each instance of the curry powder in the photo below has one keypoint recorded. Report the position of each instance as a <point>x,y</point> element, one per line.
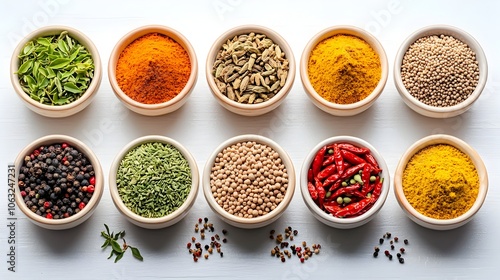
<point>344,69</point>
<point>441,182</point>
<point>153,69</point>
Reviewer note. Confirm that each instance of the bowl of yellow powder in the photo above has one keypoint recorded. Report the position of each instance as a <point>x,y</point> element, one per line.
<point>441,182</point>
<point>440,71</point>
<point>343,70</point>
<point>153,70</point>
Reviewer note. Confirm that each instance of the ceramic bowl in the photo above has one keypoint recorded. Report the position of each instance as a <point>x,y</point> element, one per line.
<point>255,222</point>
<point>343,109</point>
<point>62,110</point>
<point>250,109</point>
<point>432,223</point>
<point>348,222</point>
<point>433,111</point>
<point>175,216</point>
<point>161,108</point>
<point>88,210</point>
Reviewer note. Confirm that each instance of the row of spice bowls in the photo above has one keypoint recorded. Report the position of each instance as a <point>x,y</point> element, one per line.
<point>249,181</point>
<point>439,71</point>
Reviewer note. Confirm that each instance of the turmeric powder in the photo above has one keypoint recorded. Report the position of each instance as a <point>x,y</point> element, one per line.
<point>344,69</point>
<point>441,182</point>
<point>153,69</point>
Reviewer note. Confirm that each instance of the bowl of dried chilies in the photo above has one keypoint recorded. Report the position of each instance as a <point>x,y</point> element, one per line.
<point>56,71</point>
<point>344,182</point>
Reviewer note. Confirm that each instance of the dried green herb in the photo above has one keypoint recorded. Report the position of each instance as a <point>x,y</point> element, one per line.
<point>154,179</point>
<point>117,250</point>
<point>55,70</point>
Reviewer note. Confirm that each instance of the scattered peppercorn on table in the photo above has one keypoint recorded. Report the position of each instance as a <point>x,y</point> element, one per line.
<point>297,125</point>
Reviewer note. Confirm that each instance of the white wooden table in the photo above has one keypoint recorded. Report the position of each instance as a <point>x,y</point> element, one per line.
<point>201,125</point>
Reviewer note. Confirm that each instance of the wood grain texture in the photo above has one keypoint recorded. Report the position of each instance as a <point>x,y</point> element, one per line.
<point>201,125</point>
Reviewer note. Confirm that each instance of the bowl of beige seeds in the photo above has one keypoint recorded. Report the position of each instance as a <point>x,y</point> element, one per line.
<point>440,71</point>
<point>249,181</point>
<point>250,69</point>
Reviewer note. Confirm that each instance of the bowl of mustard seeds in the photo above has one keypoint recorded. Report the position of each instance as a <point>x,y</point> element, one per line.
<point>440,182</point>
<point>343,70</point>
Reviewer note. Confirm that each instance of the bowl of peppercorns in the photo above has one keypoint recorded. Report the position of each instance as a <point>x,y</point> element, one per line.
<point>440,71</point>
<point>344,182</point>
<point>56,71</point>
<point>249,181</point>
<point>59,182</point>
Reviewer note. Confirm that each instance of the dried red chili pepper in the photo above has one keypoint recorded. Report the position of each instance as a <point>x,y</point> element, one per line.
<point>351,171</point>
<point>321,192</point>
<point>310,176</point>
<point>371,160</point>
<point>332,207</point>
<point>353,149</point>
<point>354,209</point>
<point>339,161</point>
<point>331,180</point>
<point>335,185</point>
<point>326,172</point>
<point>350,157</point>
<point>329,160</point>
<point>312,191</point>
<point>365,174</point>
<point>368,188</point>
<point>318,161</point>
<point>347,190</point>
<point>378,189</point>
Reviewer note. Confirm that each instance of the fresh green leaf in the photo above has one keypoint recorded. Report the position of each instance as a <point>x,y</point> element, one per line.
<point>119,256</point>
<point>116,247</point>
<point>136,253</point>
<point>25,67</point>
<point>58,85</point>
<point>63,46</point>
<point>106,243</point>
<point>71,87</point>
<point>107,229</point>
<point>43,41</point>
<point>59,63</point>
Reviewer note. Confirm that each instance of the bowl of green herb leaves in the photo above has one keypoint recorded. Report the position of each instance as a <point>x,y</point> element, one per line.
<point>56,71</point>
<point>154,181</point>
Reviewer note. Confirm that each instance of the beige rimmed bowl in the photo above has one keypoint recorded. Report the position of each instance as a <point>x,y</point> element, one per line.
<point>421,219</point>
<point>343,109</point>
<point>250,109</point>
<point>62,110</point>
<point>328,219</point>
<point>433,111</point>
<point>175,216</point>
<point>161,108</point>
<point>260,221</point>
<point>88,210</point>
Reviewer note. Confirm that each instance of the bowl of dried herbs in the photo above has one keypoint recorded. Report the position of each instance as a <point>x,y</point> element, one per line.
<point>154,181</point>
<point>56,71</point>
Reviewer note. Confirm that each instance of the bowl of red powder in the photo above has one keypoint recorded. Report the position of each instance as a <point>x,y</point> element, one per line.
<point>441,182</point>
<point>152,70</point>
<point>343,70</point>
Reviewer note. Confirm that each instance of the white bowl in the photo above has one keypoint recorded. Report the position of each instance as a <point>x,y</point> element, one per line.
<point>433,111</point>
<point>161,108</point>
<point>348,222</point>
<point>170,219</point>
<point>62,110</point>
<point>343,109</point>
<point>88,210</point>
<point>250,109</point>
<point>432,223</point>
<point>260,221</point>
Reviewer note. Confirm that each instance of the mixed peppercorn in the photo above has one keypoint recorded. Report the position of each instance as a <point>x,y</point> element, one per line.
<point>344,180</point>
<point>196,249</point>
<point>56,181</point>
<point>392,243</point>
<point>284,250</point>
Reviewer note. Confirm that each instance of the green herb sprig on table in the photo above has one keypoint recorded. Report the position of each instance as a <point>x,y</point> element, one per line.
<point>55,70</point>
<point>116,249</point>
